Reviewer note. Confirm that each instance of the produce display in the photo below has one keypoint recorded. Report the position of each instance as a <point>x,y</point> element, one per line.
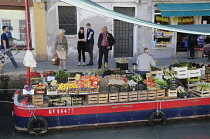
<point>77,86</point>
<point>34,74</point>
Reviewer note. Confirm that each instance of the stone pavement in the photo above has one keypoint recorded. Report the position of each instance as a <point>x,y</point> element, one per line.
<point>73,67</point>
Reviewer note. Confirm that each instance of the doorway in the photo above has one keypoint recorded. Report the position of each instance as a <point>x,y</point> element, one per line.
<point>123,33</point>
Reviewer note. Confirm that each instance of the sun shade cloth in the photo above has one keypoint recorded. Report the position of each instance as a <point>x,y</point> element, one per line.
<point>88,5</point>
<point>185,9</point>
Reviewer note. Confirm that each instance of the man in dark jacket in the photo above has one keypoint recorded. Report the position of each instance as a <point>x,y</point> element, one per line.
<point>192,43</point>
<point>105,43</point>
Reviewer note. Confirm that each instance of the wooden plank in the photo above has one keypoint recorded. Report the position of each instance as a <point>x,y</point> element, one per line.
<point>133,96</point>
<point>92,99</point>
<point>113,97</point>
<point>123,96</point>
<point>102,98</point>
<point>161,93</point>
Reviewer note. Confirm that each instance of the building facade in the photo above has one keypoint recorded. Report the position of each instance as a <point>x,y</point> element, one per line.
<point>130,39</point>
<point>47,17</point>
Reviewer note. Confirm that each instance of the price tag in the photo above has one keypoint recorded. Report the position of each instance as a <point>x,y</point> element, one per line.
<point>148,75</point>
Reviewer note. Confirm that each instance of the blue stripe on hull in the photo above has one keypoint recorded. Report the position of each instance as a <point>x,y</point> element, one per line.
<point>71,120</point>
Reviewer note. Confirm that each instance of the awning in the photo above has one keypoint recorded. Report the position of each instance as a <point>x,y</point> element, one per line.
<point>185,9</point>
<point>196,28</point>
<point>98,9</point>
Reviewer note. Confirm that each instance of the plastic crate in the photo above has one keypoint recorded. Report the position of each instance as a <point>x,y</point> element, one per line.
<point>122,66</point>
<point>61,80</point>
<point>35,80</point>
<point>103,89</point>
<point>84,90</point>
<point>141,86</point>
<point>74,90</point>
<point>114,88</point>
<point>124,88</point>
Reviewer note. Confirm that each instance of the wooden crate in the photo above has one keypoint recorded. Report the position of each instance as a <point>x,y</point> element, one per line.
<point>181,72</point>
<point>161,94</point>
<point>171,93</point>
<point>191,85</point>
<point>193,73</point>
<point>123,96</point>
<point>151,95</point>
<point>102,98</point>
<point>133,96</point>
<point>76,101</point>
<point>38,100</point>
<point>201,93</point>
<point>92,99</point>
<point>113,97</point>
<point>142,95</point>
<point>208,77</point>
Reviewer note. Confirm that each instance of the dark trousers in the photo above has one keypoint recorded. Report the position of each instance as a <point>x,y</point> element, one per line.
<point>91,53</point>
<point>103,51</point>
<point>143,73</point>
<point>209,57</point>
<point>9,54</point>
<point>192,52</point>
<point>81,51</point>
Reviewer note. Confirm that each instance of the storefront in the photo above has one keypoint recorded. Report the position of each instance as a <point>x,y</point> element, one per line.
<point>178,14</point>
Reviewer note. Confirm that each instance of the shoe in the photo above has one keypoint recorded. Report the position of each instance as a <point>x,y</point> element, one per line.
<point>89,64</point>
<point>78,65</point>
<point>190,58</point>
<point>83,65</point>
<point>18,66</point>
<point>208,60</point>
<point>65,70</point>
<point>99,67</point>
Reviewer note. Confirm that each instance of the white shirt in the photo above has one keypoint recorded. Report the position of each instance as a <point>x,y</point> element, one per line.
<point>144,61</point>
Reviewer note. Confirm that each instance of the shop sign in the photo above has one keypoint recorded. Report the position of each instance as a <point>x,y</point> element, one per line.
<point>163,19</point>
<point>183,20</point>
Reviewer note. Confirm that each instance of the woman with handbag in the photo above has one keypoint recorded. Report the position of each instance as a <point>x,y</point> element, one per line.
<point>61,48</point>
<point>81,46</point>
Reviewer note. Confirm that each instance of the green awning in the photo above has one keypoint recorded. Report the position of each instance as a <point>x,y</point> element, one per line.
<point>185,9</point>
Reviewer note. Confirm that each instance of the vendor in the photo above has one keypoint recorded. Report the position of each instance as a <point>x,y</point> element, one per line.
<point>207,41</point>
<point>144,62</point>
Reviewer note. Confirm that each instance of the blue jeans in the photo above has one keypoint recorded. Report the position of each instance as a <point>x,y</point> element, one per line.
<point>143,73</point>
<point>11,57</point>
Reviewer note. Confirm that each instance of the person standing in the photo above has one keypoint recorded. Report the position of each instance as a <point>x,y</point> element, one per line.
<point>207,41</point>
<point>81,46</point>
<point>5,46</point>
<point>61,48</point>
<point>105,43</point>
<point>144,62</point>
<point>90,43</point>
<point>192,42</point>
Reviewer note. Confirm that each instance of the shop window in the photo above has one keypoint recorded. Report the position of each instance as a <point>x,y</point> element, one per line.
<point>15,20</point>
<point>162,38</point>
<point>68,19</point>
<point>205,19</point>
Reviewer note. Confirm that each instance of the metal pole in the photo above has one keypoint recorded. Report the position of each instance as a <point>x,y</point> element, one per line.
<point>27,37</point>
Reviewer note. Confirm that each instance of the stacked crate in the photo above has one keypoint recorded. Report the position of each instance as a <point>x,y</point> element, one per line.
<point>133,96</point>
<point>151,95</point>
<point>161,94</point>
<point>142,95</point>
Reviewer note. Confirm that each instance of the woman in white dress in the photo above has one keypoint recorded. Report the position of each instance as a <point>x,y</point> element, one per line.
<point>61,48</point>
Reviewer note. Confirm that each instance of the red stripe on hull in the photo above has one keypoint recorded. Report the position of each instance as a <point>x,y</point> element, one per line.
<point>110,108</point>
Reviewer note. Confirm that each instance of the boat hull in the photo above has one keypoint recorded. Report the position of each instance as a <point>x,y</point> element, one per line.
<point>105,114</point>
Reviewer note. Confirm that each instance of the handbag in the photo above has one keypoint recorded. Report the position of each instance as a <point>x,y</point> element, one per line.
<point>86,47</point>
<point>55,60</point>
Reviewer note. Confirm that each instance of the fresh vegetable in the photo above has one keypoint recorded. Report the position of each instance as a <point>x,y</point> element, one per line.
<point>61,74</point>
<point>154,68</point>
<point>137,78</point>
